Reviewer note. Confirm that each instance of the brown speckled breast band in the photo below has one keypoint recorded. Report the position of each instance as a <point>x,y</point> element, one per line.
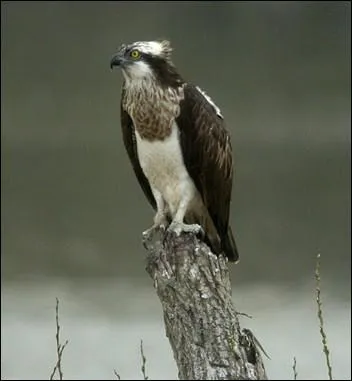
<point>153,110</point>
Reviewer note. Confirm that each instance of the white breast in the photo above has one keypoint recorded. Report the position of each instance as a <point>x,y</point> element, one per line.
<point>163,165</point>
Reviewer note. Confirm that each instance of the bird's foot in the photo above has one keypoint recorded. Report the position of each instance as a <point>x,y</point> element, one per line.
<point>148,234</point>
<point>160,223</point>
<point>179,227</point>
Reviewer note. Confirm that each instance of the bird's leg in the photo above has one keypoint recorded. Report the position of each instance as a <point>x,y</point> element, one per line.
<point>160,218</point>
<point>178,226</point>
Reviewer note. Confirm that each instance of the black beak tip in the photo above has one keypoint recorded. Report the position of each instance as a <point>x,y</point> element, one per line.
<point>112,63</point>
<point>116,61</point>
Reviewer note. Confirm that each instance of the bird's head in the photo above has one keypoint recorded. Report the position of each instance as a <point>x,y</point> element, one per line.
<point>146,60</point>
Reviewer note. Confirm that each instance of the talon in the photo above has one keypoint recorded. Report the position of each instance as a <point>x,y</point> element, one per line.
<point>148,233</point>
<point>162,227</point>
<point>179,227</point>
<point>201,232</point>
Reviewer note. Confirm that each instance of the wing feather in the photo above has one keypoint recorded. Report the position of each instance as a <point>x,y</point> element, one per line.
<point>207,152</point>
<point>129,140</point>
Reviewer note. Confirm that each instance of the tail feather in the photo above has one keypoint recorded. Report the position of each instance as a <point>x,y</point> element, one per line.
<point>229,246</point>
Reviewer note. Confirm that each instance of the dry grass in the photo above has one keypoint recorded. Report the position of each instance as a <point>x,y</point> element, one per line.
<point>59,348</point>
<point>320,317</point>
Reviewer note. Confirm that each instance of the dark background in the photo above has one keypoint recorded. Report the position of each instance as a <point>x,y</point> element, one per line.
<point>279,71</point>
<point>72,212</point>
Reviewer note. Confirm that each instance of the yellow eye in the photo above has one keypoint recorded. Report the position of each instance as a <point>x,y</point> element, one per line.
<point>135,54</point>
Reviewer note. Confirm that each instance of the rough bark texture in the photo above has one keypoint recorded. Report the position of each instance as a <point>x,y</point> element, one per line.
<point>201,322</point>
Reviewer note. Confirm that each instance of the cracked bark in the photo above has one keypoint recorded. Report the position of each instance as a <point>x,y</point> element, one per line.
<point>201,322</point>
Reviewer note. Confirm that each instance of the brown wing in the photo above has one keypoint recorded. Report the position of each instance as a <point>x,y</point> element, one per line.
<point>207,152</point>
<point>129,139</point>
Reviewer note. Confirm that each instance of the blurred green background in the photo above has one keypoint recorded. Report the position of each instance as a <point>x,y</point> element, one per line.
<point>71,207</point>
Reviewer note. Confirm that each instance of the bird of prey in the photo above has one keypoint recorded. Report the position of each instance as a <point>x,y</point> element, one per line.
<point>179,147</point>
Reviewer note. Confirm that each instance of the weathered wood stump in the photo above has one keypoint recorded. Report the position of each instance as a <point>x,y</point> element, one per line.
<point>201,322</point>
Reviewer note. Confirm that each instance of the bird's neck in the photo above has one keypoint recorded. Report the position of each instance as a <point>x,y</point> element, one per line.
<point>140,88</point>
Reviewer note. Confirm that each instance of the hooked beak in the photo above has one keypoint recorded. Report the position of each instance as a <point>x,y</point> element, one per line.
<point>117,60</point>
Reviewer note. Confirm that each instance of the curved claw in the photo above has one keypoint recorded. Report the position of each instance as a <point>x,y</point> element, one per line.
<point>147,234</point>
<point>179,227</point>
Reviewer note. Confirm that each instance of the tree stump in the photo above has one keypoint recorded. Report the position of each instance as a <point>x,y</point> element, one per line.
<point>201,322</point>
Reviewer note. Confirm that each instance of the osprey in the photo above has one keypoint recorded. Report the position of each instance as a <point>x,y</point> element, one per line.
<point>178,145</point>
